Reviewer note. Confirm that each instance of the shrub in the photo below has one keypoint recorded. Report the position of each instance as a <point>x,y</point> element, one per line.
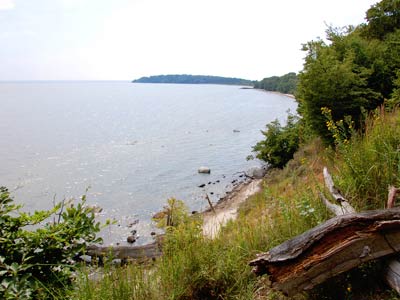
<point>35,263</point>
<point>280,143</point>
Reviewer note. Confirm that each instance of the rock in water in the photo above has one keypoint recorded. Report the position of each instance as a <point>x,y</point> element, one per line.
<point>204,170</point>
<point>257,172</point>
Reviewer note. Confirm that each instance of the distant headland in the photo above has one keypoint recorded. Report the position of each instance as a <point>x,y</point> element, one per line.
<point>194,79</point>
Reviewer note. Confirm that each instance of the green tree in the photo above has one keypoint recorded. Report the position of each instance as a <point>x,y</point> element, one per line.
<point>336,76</point>
<point>280,142</point>
<point>382,18</point>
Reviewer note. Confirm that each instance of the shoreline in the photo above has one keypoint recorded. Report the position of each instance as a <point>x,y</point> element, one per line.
<point>214,219</point>
<point>278,93</point>
<point>226,208</point>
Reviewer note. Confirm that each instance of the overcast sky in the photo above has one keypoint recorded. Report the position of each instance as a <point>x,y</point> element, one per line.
<point>127,39</point>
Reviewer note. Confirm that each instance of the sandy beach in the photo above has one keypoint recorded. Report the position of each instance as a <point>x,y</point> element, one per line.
<point>227,208</point>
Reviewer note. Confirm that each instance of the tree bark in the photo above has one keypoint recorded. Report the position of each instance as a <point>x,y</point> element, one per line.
<point>152,250</point>
<point>329,249</point>
<point>336,246</point>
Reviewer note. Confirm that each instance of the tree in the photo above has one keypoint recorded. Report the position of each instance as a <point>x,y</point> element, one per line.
<point>382,18</point>
<point>280,142</point>
<point>336,76</point>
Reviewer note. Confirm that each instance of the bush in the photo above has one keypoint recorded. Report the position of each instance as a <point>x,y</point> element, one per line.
<point>35,263</point>
<point>281,142</point>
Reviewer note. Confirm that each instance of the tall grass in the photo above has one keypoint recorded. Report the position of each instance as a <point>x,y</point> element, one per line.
<point>370,162</point>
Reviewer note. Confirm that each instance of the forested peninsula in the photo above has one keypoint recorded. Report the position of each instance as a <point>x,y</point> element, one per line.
<point>285,84</point>
<point>193,79</point>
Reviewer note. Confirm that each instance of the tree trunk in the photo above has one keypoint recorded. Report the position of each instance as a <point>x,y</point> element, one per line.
<point>336,246</point>
<point>329,249</point>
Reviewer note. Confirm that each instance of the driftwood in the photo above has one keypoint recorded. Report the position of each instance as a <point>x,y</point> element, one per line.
<point>329,249</point>
<point>393,191</point>
<point>391,274</point>
<point>335,246</point>
<point>210,203</point>
<point>148,251</point>
<point>342,207</point>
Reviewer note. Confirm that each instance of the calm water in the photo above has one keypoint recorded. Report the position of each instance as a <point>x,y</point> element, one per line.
<point>134,145</point>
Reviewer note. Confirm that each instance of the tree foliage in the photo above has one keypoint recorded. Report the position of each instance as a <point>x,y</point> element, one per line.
<point>193,79</point>
<point>280,142</point>
<point>383,18</point>
<point>284,84</point>
<point>36,262</point>
<point>356,69</point>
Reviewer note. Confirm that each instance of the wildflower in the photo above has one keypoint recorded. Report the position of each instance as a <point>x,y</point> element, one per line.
<point>57,269</point>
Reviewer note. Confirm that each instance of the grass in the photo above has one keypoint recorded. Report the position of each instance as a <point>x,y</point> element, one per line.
<point>196,267</point>
<point>371,161</point>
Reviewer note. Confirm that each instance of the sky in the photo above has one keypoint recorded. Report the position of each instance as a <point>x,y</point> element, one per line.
<point>128,39</point>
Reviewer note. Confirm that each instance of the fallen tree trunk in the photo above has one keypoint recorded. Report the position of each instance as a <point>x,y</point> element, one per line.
<point>329,249</point>
<point>352,247</point>
<point>152,250</point>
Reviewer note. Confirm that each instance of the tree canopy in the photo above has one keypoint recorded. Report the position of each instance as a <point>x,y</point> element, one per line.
<point>356,69</point>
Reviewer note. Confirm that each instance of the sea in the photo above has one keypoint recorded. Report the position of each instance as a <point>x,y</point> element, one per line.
<point>129,147</point>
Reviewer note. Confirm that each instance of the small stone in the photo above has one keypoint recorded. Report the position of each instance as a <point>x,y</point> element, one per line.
<point>152,233</point>
<point>133,223</point>
<point>131,239</point>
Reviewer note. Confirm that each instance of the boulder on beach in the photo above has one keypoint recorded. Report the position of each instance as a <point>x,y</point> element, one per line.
<point>204,170</point>
<point>256,172</point>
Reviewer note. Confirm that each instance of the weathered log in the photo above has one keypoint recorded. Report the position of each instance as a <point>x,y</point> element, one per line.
<point>152,250</point>
<point>329,249</point>
<point>343,206</point>
<point>393,191</point>
<point>391,274</point>
<point>352,248</point>
<point>392,270</point>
